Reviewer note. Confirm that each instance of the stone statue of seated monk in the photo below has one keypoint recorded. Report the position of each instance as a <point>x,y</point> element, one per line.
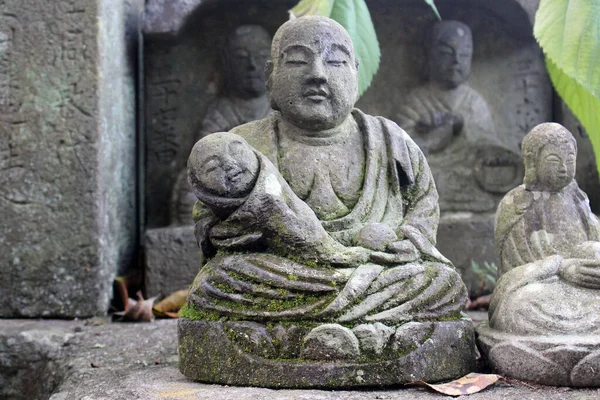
<point>471,164</point>
<point>545,311</point>
<point>318,225</point>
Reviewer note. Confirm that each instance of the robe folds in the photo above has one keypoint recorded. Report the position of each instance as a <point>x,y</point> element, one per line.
<point>276,260</point>
<point>456,162</point>
<point>531,297</point>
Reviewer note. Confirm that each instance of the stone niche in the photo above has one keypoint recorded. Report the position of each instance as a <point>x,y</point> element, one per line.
<point>183,76</point>
<point>507,72</point>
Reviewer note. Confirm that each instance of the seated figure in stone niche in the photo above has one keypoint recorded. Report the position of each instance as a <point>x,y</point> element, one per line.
<point>331,256</point>
<point>452,122</point>
<point>243,100</point>
<point>545,309</point>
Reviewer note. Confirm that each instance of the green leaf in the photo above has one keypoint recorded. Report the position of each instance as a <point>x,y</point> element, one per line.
<point>312,7</point>
<point>582,103</point>
<point>355,17</point>
<point>434,8</point>
<point>569,33</point>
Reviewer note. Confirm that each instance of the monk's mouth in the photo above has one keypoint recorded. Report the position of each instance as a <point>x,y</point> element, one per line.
<point>316,95</point>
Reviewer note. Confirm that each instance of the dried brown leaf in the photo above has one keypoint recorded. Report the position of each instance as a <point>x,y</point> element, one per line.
<point>121,294</point>
<point>469,384</point>
<point>139,310</point>
<point>170,305</point>
<point>479,302</point>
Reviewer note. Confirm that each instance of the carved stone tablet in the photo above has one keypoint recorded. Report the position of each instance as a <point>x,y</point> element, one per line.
<point>67,154</point>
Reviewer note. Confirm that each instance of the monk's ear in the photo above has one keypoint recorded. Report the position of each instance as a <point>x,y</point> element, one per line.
<point>269,83</point>
<point>530,168</point>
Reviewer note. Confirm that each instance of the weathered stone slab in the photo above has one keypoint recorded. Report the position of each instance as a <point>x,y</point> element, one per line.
<point>172,260</point>
<point>558,360</point>
<point>208,353</point>
<point>32,357</point>
<point>466,238</point>
<point>67,154</point>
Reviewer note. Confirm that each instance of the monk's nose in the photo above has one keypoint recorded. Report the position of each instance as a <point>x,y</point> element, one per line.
<point>317,73</point>
<point>252,64</point>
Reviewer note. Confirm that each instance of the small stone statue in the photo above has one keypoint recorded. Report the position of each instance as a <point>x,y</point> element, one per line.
<point>318,226</point>
<point>545,311</point>
<point>222,167</point>
<point>452,122</point>
<point>243,100</point>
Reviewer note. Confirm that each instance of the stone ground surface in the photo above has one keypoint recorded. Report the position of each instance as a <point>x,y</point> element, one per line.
<point>98,360</point>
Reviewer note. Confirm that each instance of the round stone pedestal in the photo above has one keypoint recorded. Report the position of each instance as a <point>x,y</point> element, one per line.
<point>558,360</point>
<point>275,355</point>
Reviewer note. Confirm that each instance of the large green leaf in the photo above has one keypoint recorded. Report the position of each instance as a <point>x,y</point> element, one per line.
<point>312,7</point>
<point>584,104</point>
<point>569,33</point>
<point>434,8</point>
<point>355,17</point>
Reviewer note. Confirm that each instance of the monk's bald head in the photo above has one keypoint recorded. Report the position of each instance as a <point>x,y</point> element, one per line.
<point>549,153</point>
<point>313,73</point>
<point>310,29</point>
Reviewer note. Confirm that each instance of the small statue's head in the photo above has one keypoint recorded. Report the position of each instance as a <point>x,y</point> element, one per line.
<point>223,164</point>
<point>244,57</point>
<point>313,73</point>
<point>449,53</point>
<point>549,154</point>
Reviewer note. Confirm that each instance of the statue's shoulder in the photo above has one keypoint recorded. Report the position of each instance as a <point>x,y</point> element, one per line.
<point>260,134</point>
<point>517,201</point>
<point>386,126</point>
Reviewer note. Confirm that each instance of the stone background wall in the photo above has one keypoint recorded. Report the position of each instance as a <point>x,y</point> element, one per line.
<point>67,154</point>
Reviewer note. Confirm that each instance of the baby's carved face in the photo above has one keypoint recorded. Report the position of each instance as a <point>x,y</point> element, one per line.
<point>224,164</point>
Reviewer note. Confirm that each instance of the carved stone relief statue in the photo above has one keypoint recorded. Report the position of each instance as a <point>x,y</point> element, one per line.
<point>452,122</point>
<point>243,100</point>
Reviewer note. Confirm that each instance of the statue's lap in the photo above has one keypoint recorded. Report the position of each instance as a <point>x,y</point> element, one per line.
<point>265,311</point>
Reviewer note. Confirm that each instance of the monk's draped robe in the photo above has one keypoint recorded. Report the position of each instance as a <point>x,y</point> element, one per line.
<point>225,113</point>
<point>530,297</point>
<point>455,162</point>
<point>282,272</point>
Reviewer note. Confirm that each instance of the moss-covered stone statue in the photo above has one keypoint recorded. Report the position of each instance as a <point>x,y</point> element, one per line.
<point>545,311</point>
<point>318,226</point>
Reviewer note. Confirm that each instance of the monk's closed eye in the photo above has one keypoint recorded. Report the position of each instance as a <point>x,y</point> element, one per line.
<point>337,63</point>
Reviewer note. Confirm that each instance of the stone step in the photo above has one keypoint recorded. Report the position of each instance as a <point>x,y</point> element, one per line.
<point>98,360</point>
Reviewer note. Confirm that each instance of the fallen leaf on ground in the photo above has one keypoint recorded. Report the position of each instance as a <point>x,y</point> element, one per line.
<point>170,305</point>
<point>469,384</point>
<point>121,296</point>
<point>139,310</point>
<point>480,302</point>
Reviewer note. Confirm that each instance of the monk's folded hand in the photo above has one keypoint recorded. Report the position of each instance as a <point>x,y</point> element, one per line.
<point>399,252</point>
<point>584,273</point>
<point>458,123</point>
<point>541,243</point>
<point>350,256</point>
